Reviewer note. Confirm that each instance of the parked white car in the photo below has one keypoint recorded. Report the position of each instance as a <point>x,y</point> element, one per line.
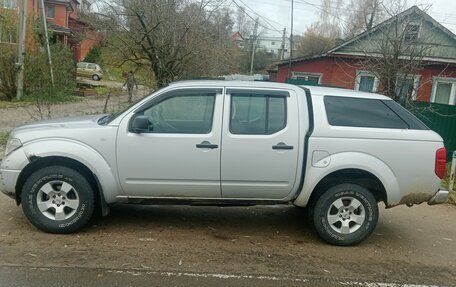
<point>337,152</point>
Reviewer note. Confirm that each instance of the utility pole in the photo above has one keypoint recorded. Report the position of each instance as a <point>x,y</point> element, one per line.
<point>46,36</point>
<point>255,30</point>
<point>21,49</point>
<point>291,40</point>
<point>282,56</point>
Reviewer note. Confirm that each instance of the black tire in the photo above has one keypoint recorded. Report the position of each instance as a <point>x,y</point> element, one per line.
<point>80,197</point>
<point>95,77</point>
<point>353,225</point>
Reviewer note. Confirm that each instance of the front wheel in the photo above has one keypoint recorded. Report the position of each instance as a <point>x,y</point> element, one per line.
<point>96,77</point>
<point>58,199</point>
<point>346,214</point>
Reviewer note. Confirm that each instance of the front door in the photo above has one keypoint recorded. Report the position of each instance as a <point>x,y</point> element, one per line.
<point>260,144</point>
<point>179,156</point>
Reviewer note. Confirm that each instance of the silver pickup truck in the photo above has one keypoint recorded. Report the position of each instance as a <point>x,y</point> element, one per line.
<point>336,152</point>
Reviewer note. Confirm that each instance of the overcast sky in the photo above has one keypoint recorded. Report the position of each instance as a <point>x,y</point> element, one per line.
<point>278,12</point>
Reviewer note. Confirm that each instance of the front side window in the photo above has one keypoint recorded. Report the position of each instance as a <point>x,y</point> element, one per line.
<point>359,112</point>
<point>190,113</point>
<point>257,114</point>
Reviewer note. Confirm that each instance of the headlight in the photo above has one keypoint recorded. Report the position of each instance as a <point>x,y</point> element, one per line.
<point>12,145</point>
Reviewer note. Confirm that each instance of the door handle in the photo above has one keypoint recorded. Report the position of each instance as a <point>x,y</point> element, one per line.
<point>206,144</point>
<point>282,145</point>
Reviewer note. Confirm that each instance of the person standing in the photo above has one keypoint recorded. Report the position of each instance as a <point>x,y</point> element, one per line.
<point>130,83</point>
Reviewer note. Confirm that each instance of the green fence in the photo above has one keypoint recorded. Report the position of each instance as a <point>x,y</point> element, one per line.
<point>441,119</point>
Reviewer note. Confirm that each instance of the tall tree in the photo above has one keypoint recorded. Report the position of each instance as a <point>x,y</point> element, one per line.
<point>324,33</point>
<point>244,24</point>
<point>175,38</point>
<point>362,15</point>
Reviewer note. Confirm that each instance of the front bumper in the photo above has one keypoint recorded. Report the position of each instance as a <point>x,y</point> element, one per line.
<point>8,179</point>
<point>439,197</point>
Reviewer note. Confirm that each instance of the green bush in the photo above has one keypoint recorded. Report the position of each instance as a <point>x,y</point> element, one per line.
<point>7,74</point>
<point>3,138</point>
<point>38,84</point>
<point>38,88</point>
<point>94,56</point>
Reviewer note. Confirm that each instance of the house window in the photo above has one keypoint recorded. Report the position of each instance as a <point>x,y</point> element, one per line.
<point>8,4</point>
<point>312,78</point>
<point>366,82</point>
<point>444,91</point>
<point>411,33</point>
<point>407,86</point>
<point>50,12</point>
<point>272,43</point>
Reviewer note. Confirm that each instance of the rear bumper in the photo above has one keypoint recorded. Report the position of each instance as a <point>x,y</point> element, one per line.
<point>441,196</point>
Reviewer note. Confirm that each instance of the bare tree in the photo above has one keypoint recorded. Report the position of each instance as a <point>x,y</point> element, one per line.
<point>324,33</point>
<point>313,41</point>
<point>362,15</point>
<point>244,25</point>
<point>174,38</point>
<point>395,52</point>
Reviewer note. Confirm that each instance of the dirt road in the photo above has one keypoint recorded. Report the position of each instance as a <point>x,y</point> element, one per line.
<point>410,245</point>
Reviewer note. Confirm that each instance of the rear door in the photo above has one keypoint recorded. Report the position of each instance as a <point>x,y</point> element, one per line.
<point>260,143</point>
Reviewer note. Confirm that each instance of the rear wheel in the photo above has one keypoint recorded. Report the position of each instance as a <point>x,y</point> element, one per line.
<point>58,199</point>
<point>346,214</point>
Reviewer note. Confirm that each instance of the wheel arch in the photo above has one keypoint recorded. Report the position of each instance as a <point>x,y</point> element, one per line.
<point>351,167</point>
<point>354,176</point>
<point>37,163</point>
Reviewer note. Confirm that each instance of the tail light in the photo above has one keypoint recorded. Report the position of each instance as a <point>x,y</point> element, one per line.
<point>440,162</point>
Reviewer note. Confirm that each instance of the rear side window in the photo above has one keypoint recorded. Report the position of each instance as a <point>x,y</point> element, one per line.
<point>413,122</point>
<point>357,112</point>
<point>257,114</point>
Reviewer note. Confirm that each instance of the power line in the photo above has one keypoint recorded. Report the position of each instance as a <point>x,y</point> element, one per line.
<point>267,20</point>
<point>248,15</point>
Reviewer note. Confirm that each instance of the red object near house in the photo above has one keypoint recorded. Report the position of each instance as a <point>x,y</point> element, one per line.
<point>64,25</point>
<point>345,65</point>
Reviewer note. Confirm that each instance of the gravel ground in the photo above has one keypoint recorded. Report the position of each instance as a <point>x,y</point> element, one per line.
<point>410,245</point>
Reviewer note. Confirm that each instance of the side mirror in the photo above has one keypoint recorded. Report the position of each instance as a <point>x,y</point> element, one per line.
<point>140,124</point>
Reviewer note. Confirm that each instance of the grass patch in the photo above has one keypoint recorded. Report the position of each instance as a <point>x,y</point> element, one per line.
<point>4,104</point>
<point>27,101</point>
<point>102,90</point>
<point>3,138</point>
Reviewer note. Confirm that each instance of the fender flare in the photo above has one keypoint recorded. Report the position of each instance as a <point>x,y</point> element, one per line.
<point>82,153</point>
<point>350,160</point>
